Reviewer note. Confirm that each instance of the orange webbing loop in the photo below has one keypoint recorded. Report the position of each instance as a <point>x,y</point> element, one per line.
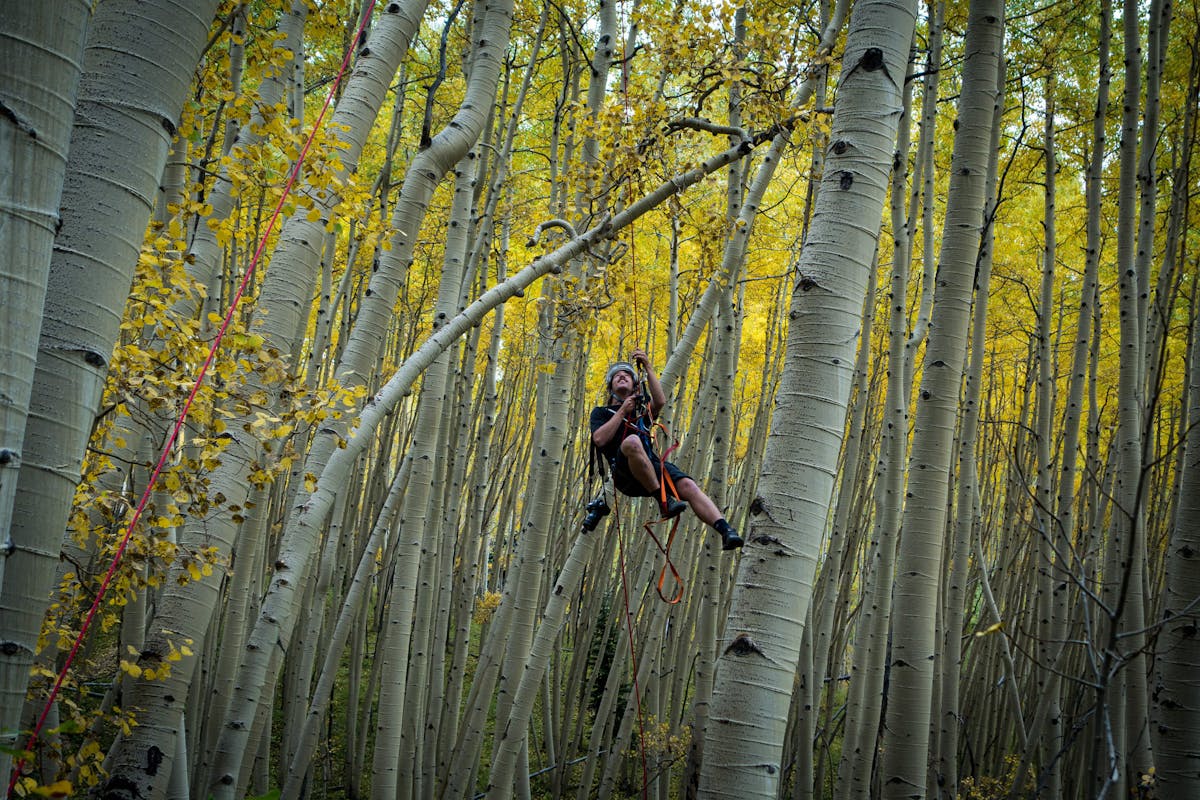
<point>664,481</point>
<point>669,565</point>
<point>664,477</point>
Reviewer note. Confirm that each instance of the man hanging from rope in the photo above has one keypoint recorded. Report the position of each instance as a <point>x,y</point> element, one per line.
<point>620,431</point>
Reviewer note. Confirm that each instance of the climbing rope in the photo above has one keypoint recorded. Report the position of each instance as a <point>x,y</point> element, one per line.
<point>187,405</point>
<point>637,690</point>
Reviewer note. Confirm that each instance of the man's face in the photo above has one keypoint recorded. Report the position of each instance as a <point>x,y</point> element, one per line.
<point>621,385</point>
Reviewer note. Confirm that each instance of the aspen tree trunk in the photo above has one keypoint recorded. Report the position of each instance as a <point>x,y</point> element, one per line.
<point>626,611</point>
<point>924,188</point>
<point>865,696</point>
<point>424,657</point>
<point>482,461</point>
<point>719,394</point>
<point>904,766</point>
<point>387,778</point>
<point>1138,692</point>
<point>1158,27</point>
<point>1123,734</point>
<point>849,493</point>
<point>354,601</point>
<point>186,608</point>
<point>374,312</point>
<point>1051,545</point>
<point>41,50</point>
<point>204,251</point>
<point>946,769</point>
<point>1178,653</point>
<point>760,646</point>
<point>313,509</point>
<point>149,51</point>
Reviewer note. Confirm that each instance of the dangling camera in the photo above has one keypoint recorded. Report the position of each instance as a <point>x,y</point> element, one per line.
<point>597,510</point>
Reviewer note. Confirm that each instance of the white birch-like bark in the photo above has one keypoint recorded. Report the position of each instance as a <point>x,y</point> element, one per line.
<point>1051,545</point>
<point>313,508</point>
<point>864,699</point>
<point>760,646</point>
<point>402,710</point>
<point>369,333</point>
<point>41,52</point>
<point>204,250</point>
<point>1178,688</point>
<point>951,718</point>
<point>924,189</point>
<point>137,68</point>
<point>904,765</point>
<point>306,741</point>
<point>1123,740</point>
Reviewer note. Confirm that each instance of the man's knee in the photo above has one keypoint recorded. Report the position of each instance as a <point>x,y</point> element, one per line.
<point>631,447</point>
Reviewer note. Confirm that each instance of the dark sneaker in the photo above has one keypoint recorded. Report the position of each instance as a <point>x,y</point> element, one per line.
<point>729,537</point>
<point>672,508</point>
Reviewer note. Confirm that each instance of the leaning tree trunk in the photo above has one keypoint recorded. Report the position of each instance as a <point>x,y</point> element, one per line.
<point>137,69</point>
<point>41,46</point>
<point>904,764</point>
<point>760,648</point>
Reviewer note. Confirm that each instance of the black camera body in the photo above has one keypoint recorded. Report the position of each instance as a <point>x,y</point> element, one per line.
<point>597,510</point>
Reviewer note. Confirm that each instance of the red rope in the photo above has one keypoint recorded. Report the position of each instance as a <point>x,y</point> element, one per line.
<point>187,405</point>
<point>637,690</point>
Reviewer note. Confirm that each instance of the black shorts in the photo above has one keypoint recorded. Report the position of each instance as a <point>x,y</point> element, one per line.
<point>630,486</point>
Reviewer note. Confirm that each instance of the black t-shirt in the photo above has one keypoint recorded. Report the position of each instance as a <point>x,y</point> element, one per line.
<point>600,415</point>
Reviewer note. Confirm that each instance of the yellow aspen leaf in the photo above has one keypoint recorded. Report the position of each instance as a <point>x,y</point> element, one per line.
<point>991,629</point>
<point>56,789</point>
<point>131,669</point>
